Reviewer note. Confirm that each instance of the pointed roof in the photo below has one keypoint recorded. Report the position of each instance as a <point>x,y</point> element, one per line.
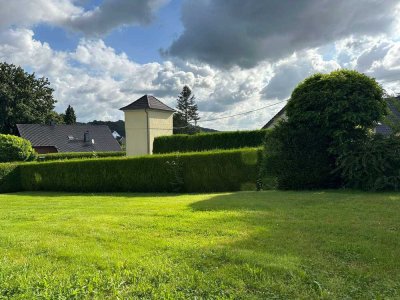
<point>149,102</point>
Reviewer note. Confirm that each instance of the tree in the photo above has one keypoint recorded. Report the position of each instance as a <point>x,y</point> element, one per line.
<point>55,118</point>
<point>343,105</point>
<point>23,98</point>
<point>187,111</point>
<point>326,115</point>
<point>69,117</point>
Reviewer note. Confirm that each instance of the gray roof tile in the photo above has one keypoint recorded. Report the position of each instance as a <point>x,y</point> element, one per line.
<point>58,136</point>
<point>149,102</point>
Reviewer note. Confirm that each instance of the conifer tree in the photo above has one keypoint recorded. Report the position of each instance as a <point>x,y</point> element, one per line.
<point>69,117</point>
<point>187,112</point>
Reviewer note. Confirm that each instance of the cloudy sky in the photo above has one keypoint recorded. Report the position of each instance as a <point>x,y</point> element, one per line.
<point>100,55</point>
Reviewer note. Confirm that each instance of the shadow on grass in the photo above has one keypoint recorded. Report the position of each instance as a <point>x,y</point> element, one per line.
<point>308,244</point>
<point>268,200</point>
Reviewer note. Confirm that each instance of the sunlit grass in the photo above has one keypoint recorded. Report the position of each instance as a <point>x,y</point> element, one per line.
<point>241,245</point>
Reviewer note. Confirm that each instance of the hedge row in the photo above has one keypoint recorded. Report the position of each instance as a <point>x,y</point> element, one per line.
<point>218,171</point>
<point>208,141</point>
<point>72,155</point>
<point>10,180</point>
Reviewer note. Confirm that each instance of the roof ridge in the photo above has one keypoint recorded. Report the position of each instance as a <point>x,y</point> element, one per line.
<point>147,101</point>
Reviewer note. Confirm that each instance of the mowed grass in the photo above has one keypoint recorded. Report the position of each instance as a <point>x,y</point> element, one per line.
<point>247,245</point>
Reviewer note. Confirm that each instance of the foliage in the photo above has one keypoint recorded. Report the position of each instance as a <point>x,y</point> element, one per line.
<point>23,98</point>
<point>9,178</point>
<point>208,141</point>
<point>187,112</point>
<point>14,148</point>
<point>342,105</point>
<point>373,164</point>
<point>324,113</point>
<point>298,159</point>
<point>55,118</point>
<point>69,117</point>
<point>229,170</point>
<point>247,245</point>
<point>73,155</point>
<point>176,175</point>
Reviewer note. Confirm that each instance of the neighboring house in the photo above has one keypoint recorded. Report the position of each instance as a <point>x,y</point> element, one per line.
<point>281,115</point>
<point>392,119</point>
<point>385,128</point>
<point>68,138</point>
<point>145,119</point>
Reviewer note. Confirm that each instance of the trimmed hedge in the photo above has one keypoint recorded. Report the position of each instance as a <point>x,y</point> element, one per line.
<point>209,141</point>
<point>10,180</point>
<point>217,171</point>
<point>73,155</point>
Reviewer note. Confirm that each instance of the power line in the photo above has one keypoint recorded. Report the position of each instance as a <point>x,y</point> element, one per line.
<point>220,118</point>
<point>243,113</point>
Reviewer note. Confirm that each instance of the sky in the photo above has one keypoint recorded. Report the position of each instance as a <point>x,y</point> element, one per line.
<point>235,55</point>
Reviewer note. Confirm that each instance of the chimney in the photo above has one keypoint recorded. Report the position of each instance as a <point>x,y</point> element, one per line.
<point>86,137</point>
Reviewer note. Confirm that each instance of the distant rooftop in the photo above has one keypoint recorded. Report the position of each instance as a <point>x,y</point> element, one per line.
<point>147,102</point>
<point>70,138</point>
<point>393,117</point>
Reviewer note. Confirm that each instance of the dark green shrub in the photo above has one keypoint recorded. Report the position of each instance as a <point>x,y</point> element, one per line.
<point>208,141</point>
<point>342,105</point>
<point>73,155</point>
<point>14,148</point>
<point>216,171</point>
<point>9,178</point>
<point>325,112</point>
<point>298,159</point>
<point>373,164</point>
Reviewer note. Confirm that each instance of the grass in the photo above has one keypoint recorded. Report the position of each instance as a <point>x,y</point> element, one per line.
<point>247,245</point>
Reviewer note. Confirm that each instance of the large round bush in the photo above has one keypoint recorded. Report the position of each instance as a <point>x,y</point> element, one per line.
<point>14,148</point>
<point>325,114</point>
<point>342,105</point>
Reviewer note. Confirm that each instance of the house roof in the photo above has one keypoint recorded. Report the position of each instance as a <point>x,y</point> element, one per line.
<point>280,113</point>
<point>393,117</point>
<point>69,138</point>
<point>147,102</point>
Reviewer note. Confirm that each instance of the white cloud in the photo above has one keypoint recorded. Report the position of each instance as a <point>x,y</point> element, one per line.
<point>235,32</point>
<point>97,80</point>
<point>110,14</point>
<point>24,13</point>
<point>290,71</point>
<point>113,14</point>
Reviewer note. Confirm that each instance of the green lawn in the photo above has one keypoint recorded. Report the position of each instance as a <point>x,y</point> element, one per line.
<point>245,245</point>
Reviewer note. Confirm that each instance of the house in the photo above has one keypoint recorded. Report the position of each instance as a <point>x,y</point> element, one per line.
<point>392,119</point>
<point>281,115</point>
<point>68,138</point>
<point>145,119</point>
<point>384,128</point>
